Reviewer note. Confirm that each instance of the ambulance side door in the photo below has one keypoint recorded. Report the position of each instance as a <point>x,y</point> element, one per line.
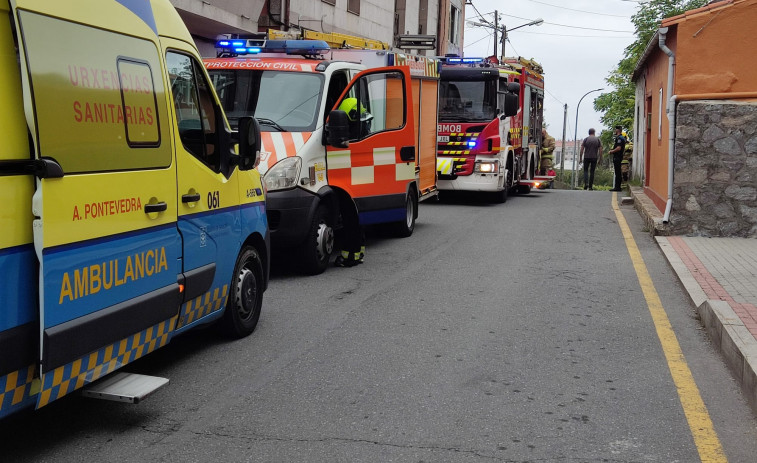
<point>209,216</point>
<point>379,162</point>
<point>105,201</point>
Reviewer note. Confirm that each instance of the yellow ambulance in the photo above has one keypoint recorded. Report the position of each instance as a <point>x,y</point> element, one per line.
<point>130,211</point>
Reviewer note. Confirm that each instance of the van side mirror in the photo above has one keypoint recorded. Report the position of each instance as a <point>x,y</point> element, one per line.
<point>337,130</point>
<point>513,87</point>
<point>248,135</point>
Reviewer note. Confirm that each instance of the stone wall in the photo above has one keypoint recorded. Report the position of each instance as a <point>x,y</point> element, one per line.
<point>715,179</point>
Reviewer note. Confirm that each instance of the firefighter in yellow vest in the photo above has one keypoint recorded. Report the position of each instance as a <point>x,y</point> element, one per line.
<point>351,237</point>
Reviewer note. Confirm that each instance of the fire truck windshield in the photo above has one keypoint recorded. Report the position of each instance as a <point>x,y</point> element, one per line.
<point>282,101</point>
<point>467,101</point>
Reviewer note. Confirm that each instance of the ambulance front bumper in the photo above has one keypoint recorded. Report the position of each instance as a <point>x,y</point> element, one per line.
<point>289,215</point>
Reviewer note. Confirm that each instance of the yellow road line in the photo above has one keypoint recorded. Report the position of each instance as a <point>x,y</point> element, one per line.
<point>700,424</point>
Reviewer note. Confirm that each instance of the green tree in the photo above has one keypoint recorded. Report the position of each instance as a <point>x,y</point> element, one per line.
<point>617,105</point>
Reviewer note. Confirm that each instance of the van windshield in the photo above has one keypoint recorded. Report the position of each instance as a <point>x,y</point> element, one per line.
<point>281,101</point>
<point>467,101</point>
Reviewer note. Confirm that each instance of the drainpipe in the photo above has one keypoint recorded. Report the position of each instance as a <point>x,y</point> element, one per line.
<point>671,111</point>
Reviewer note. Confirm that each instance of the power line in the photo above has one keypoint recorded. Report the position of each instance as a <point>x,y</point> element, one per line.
<point>550,94</point>
<point>580,11</point>
<point>583,36</point>
<point>571,27</point>
<point>482,38</point>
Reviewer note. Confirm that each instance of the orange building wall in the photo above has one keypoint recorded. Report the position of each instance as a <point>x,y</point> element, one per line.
<point>657,156</point>
<point>715,50</point>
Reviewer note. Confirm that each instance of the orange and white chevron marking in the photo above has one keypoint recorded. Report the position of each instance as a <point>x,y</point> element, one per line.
<point>276,146</point>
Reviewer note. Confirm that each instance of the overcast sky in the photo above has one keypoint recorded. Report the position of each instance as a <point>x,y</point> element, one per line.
<point>578,45</point>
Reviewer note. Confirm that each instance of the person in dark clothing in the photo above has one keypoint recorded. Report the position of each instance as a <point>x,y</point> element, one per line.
<point>618,148</point>
<point>591,154</point>
<point>351,237</point>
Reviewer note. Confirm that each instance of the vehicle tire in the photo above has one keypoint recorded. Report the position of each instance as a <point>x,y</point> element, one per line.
<point>245,295</point>
<point>523,189</point>
<point>405,228</point>
<point>501,196</point>
<point>316,251</point>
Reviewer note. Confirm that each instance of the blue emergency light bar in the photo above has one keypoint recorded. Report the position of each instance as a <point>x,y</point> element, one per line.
<point>290,47</point>
<point>464,60</point>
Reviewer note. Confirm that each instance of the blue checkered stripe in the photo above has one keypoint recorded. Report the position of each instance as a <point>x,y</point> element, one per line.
<point>203,305</point>
<point>16,390</point>
<point>93,366</point>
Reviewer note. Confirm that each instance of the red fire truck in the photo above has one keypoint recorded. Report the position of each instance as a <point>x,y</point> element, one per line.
<point>489,128</point>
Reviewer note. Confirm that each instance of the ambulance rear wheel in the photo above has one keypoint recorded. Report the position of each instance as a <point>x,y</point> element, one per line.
<point>245,296</point>
<point>319,243</point>
<point>405,228</point>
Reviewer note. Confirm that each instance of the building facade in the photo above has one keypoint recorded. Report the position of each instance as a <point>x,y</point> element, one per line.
<point>696,120</point>
<point>379,20</point>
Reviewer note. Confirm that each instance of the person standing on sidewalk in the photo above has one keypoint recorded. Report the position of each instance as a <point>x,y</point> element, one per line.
<point>591,154</point>
<point>618,148</point>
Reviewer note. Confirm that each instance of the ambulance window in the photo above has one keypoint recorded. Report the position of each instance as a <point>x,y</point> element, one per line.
<point>140,105</point>
<point>195,110</point>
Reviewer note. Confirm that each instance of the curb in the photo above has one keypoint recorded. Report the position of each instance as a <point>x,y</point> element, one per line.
<point>649,212</point>
<point>736,344</point>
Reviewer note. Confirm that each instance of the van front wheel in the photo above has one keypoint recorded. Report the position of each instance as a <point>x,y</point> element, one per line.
<point>245,296</point>
<point>316,251</point>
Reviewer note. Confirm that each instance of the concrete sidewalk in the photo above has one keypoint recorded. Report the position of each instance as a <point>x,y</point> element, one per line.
<point>720,275</point>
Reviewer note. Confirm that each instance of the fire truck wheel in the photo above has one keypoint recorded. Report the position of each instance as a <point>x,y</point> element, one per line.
<point>405,228</point>
<point>319,243</point>
<point>245,296</point>
<point>501,196</point>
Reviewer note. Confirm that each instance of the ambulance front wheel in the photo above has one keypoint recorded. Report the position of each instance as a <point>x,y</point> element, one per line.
<point>319,243</point>
<point>246,295</point>
<point>405,228</point>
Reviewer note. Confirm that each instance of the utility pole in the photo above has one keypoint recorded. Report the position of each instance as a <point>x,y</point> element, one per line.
<point>496,28</point>
<point>562,156</point>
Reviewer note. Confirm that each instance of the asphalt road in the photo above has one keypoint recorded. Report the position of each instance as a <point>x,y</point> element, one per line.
<point>512,332</point>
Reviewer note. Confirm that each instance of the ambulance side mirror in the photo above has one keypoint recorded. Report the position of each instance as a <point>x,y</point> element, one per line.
<point>337,130</point>
<point>248,134</point>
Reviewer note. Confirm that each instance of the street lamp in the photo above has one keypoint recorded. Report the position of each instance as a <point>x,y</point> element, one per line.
<point>535,22</point>
<point>575,137</point>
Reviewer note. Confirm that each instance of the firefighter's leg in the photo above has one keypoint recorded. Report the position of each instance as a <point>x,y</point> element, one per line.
<point>351,240</point>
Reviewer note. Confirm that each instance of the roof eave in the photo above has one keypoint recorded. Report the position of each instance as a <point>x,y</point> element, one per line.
<point>647,51</point>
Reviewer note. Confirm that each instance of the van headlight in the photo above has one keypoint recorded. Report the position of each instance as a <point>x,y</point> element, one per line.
<point>283,174</point>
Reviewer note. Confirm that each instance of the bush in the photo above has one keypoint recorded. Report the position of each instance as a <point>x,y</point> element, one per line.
<point>603,178</point>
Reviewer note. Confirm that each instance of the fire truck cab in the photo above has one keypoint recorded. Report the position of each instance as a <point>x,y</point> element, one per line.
<point>489,130</point>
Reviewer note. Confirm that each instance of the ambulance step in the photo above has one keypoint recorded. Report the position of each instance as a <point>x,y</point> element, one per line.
<point>124,387</point>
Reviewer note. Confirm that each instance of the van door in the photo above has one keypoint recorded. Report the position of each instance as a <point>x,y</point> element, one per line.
<point>209,217</point>
<point>379,163</point>
<point>105,202</point>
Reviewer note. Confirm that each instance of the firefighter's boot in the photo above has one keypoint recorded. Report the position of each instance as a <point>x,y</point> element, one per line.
<point>350,259</point>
